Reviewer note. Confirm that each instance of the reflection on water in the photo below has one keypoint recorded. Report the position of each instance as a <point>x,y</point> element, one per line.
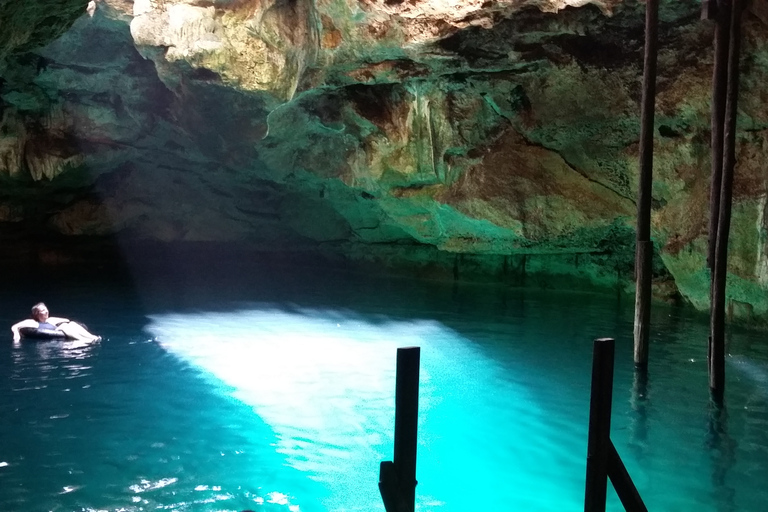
<point>281,398</point>
<point>723,451</point>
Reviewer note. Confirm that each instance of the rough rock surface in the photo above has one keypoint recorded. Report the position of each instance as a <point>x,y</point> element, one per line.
<point>494,138</point>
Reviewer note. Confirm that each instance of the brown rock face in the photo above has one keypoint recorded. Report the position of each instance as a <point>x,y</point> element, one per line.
<point>414,134</point>
<point>30,25</point>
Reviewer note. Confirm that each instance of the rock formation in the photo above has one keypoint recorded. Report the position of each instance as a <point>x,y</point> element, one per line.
<point>495,138</point>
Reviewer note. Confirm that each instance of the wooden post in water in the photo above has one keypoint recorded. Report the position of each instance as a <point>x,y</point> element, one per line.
<point>397,479</point>
<point>644,247</point>
<point>639,402</point>
<point>603,461</point>
<point>598,445</point>
<point>717,323</point>
<point>643,264</point>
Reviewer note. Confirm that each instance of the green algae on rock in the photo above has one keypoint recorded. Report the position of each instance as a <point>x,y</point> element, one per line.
<point>489,140</point>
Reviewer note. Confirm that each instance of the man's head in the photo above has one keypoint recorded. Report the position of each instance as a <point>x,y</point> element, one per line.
<point>40,312</point>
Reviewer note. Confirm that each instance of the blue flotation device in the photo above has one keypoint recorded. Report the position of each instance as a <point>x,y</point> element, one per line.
<point>34,333</point>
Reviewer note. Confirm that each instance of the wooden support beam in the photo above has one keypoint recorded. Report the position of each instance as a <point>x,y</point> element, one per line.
<point>397,479</point>
<point>708,9</point>
<point>647,109</point>
<point>389,487</point>
<point>603,460</point>
<point>719,90</point>
<point>598,445</point>
<point>622,482</point>
<point>407,418</point>
<point>643,267</point>
<point>643,264</point>
<point>639,402</point>
<point>717,323</point>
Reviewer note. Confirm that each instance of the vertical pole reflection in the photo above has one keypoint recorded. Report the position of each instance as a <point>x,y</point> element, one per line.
<point>722,450</point>
<point>639,402</point>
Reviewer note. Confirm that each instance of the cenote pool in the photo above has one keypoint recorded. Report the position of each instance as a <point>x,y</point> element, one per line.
<point>276,393</point>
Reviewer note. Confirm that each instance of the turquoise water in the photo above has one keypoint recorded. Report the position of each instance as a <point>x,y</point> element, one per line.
<point>277,394</point>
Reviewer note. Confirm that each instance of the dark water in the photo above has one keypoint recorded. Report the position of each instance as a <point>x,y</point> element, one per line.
<point>276,393</point>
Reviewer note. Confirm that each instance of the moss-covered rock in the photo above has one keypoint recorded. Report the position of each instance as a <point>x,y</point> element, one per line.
<point>494,140</point>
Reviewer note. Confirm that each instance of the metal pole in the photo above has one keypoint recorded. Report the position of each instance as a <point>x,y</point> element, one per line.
<point>643,267</point>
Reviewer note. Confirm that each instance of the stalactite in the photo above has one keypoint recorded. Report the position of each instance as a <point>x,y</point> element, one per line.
<point>430,132</point>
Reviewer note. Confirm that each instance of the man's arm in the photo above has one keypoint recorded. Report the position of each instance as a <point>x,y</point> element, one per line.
<point>55,320</point>
<point>24,323</point>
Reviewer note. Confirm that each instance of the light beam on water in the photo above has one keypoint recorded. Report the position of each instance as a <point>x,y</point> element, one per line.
<point>324,381</point>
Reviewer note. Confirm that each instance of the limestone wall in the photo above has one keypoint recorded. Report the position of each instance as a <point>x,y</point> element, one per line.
<point>494,139</point>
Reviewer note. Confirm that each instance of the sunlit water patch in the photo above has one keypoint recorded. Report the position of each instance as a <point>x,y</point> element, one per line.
<point>503,402</point>
<point>324,381</point>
